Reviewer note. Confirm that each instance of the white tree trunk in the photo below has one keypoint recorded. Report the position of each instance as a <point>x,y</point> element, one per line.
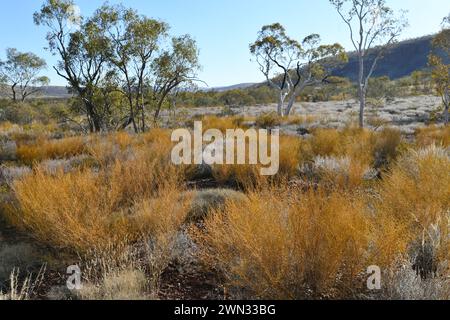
<point>362,106</point>
<point>361,90</point>
<point>446,106</point>
<point>290,105</point>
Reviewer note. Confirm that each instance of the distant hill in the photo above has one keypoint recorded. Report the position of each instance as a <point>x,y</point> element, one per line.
<point>58,92</point>
<point>229,88</point>
<point>55,92</point>
<point>400,61</point>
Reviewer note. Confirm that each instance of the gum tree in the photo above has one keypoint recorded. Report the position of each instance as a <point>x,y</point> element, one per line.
<point>175,67</point>
<point>83,51</point>
<point>373,28</point>
<point>21,72</point>
<point>145,64</point>
<point>441,70</point>
<point>290,66</point>
<point>135,42</point>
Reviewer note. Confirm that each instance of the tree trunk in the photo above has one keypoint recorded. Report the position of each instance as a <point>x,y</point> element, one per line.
<point>280,105</point>
<point>132,113</point>
<point>362,106</point>
<point>446,115</point>
<point>361,91</point>
<point>13,88</point>
<point>95,123</point>
<point>446,105</point>
<point>158,110</point>
<point>294,98</point>
<point>290,105</point>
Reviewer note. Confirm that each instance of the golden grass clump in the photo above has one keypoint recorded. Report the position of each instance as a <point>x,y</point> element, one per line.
<point>362,146</point>
<point>292,154</point>
<point>268,120</point>
<point>433,135</point>
<point>156,135</point>
<point>243,176</point>
<point>83,209</point>
<point>221,123</point>
<point>326,142</point>
<point>51,149</point>
<point>279,243</point>
<point>413,203</point>
<point>249,176</point>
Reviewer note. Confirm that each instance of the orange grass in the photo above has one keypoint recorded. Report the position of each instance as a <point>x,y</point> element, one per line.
<point>279,243</point>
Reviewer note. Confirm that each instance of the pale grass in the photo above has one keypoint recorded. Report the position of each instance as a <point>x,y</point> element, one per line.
<point>300,119</point>
<point>23,289</point>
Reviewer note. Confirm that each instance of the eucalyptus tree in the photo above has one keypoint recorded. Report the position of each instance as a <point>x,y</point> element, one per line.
<point>147,64</point>
<point>135,42</point>
<point>21,72</point>
<point>290,66</point>
<point>373,28</point>
<point>83,50</point>
<point>438,60</point>
<point>174,68</point>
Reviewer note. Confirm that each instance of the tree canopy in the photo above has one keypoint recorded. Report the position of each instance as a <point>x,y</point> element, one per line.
<point>21,71</point>
<point>289,66</point>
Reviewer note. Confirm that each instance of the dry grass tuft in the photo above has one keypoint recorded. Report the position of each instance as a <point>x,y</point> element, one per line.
<point>51,149</point>
<point>25,289</point>
<point>433,135</point>
<point>316,243</point>
<point>413,205</point>
<point>82,209</point>
<point>268,120</point>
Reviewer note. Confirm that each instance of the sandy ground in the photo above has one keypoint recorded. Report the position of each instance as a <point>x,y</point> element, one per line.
<point>405,113</point>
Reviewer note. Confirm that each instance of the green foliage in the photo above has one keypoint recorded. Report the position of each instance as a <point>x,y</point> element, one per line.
<point>290,66</point>
<point>121,65</point>
<point>21,72</point>
<point>441,70</point>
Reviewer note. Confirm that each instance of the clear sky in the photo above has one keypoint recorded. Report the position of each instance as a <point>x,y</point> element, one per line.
<point>223,28</point>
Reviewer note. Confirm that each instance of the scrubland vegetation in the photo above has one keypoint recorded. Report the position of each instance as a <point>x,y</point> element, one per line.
<point>115,205</point>
<point>88,181</point>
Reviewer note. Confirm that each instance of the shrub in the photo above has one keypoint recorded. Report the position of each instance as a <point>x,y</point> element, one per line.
<point>268,120</point>
<point>8,150</point>
<point>206,201</point>
<point>9,174</point>
<point>405,284</point>
<point>316,243</point>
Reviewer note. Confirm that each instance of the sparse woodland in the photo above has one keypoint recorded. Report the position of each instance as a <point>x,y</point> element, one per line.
<point>89,180</point>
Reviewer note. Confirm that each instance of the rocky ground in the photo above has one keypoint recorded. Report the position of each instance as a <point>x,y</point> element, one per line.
<point>406,113</point>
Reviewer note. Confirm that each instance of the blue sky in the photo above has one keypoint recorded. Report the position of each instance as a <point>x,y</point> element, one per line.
<point>222,28</point>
